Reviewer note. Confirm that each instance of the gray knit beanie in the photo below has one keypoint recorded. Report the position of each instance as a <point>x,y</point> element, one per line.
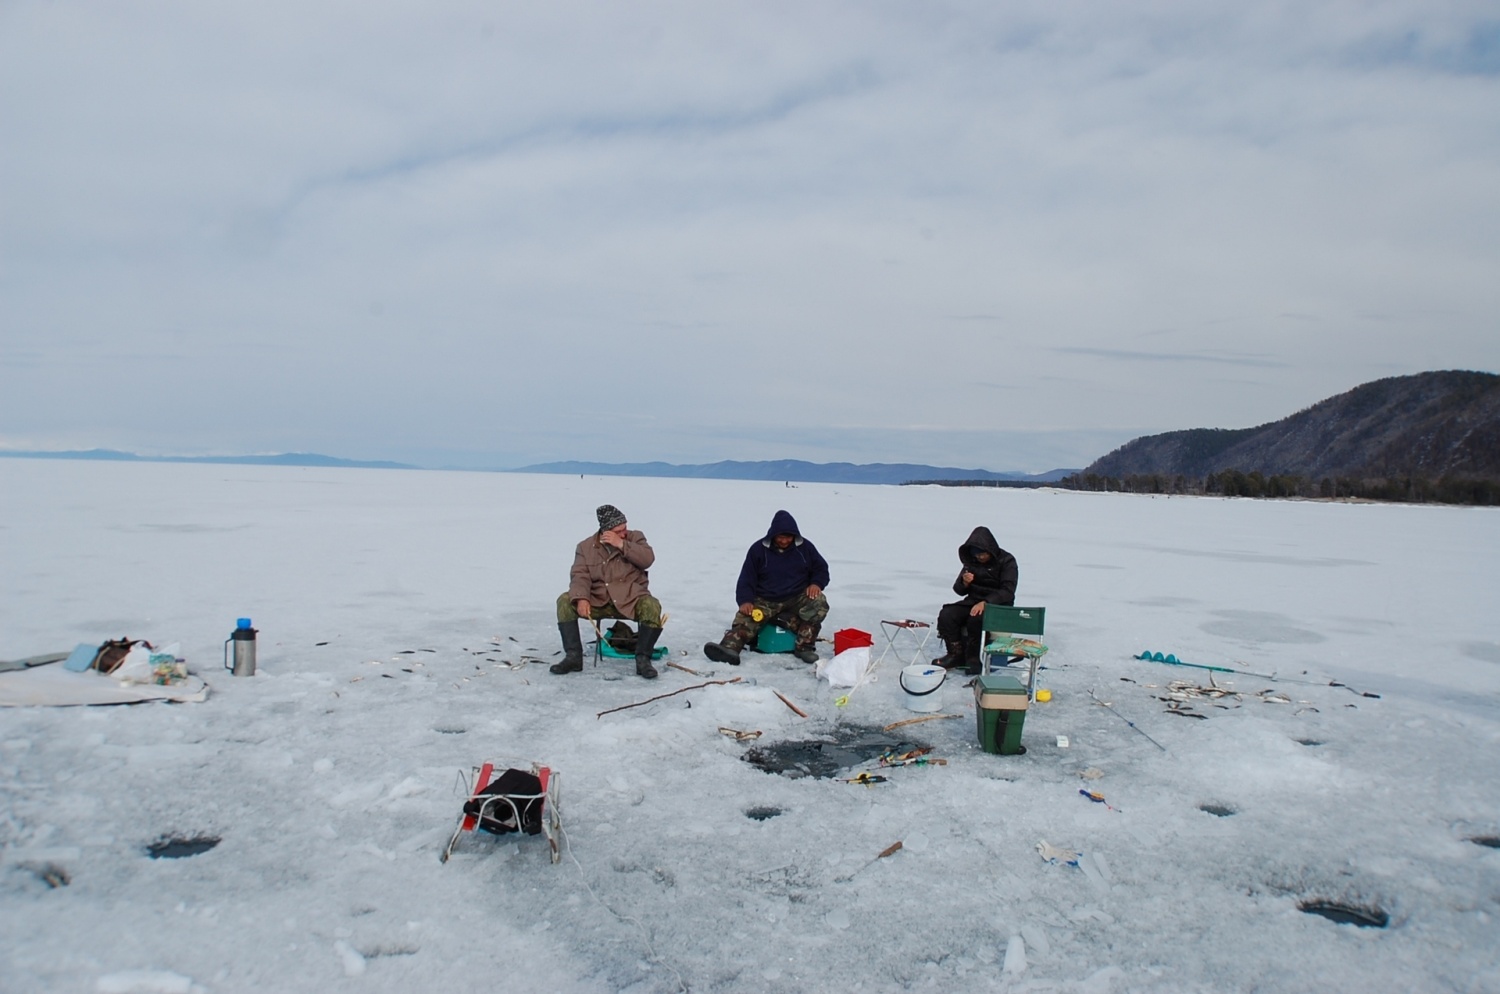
<point>609,517</point>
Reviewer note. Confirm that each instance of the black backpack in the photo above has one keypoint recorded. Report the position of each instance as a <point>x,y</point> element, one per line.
<point>621,638</point>
<point>512,802</point>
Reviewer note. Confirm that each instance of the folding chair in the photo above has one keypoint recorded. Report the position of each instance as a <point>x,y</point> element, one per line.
<point>1016,634</point>
<point>515,801</point>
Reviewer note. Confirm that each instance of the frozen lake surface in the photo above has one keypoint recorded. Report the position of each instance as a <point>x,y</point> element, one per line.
<point>395,608</point>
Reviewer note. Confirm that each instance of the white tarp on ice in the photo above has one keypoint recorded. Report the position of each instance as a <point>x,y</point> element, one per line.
<point>56,686</point>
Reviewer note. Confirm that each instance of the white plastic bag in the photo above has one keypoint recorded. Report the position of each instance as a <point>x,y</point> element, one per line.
<point>847,668</point>
<point>158,666</point>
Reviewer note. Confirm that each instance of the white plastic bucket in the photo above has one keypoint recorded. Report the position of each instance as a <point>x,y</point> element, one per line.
<point>920,683</point>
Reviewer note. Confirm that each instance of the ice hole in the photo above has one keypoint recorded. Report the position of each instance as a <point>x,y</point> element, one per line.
<point>1218,810</point>
<point>842,748</point>
<point>180,848</point>
<point>1310,742</point>
<point>1493,841</point>
<point>762,813</point>
<point>1346,914</point>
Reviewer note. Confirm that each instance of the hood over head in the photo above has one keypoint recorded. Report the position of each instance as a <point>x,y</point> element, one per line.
<point>979,538</point>
<point>782,524</point>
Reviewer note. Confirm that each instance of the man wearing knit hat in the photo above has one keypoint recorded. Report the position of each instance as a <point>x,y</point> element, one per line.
<point>610,580</point>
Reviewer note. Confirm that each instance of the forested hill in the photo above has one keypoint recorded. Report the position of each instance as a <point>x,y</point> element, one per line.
<point>1430,425</point>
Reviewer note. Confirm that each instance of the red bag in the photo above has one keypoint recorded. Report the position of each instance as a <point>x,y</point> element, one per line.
<point>850,638</point>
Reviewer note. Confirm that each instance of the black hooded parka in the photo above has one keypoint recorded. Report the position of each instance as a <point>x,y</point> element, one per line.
<point>994,581</point>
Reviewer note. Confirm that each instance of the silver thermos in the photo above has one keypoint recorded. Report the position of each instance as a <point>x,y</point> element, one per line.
<point>243,640</point>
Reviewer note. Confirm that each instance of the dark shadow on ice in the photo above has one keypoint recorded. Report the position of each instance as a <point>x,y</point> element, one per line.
<point>1346,914</point>
<point>1228,556</point>
<point>1492,841</point>
<point>1259,626</point>
<point>1485,652</point>
<point>1164,602</point>
<point>867,588</point>
<point>762,813</point>
<point>1218,810</point>
<point>175,848</point>
<point>844,747</point>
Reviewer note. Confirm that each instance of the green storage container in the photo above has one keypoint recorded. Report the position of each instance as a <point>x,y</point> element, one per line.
<point>1000,707</point>
<point>774,638</point>
<point>610,652</point>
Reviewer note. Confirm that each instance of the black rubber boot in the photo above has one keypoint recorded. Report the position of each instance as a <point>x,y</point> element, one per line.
<point>973,664</point>
<point>726,650</point>
<point>572,660</point>
<point>645,644</point>
<point>806,648</point>
<point>952,657</point>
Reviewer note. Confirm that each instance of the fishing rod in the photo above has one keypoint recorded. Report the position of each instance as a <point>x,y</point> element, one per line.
<point>1171,660</point>
<point>1110,708</point>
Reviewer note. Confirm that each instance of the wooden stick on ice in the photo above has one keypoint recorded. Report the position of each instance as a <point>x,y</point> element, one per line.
<point>800,713</point>
<point>658,697</point>
<point>917,721</point>
<point>889,850</point>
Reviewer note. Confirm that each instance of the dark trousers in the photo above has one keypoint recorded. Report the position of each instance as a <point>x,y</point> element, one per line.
<point>801,615</point>
<point>957,627</point>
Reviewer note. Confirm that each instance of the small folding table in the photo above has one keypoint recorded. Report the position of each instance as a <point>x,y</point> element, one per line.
<point>914,634</point>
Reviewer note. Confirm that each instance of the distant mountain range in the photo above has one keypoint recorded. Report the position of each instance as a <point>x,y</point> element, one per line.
<point>794,470</point>
<point>791,470</point>
<point>284,459</point>
<point>1430,425</point>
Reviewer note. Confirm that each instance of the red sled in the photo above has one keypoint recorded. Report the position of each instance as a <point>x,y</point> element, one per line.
<point>515,801</point>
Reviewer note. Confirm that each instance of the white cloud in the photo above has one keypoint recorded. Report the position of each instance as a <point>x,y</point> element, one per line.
<point>383,230</point>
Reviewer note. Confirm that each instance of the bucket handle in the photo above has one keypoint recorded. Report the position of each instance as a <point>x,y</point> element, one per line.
<point>901,679</point>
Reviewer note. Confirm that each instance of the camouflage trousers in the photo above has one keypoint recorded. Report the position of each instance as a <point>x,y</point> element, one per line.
<point>647,611</point>
<point>802,616</point>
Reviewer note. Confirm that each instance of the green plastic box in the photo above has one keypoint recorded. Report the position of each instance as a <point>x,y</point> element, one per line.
<point>774,638</point>
<point>610,652</point>
<point>1000,706</point>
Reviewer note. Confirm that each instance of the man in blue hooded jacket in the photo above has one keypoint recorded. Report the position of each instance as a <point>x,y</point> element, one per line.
<point>781,583</point>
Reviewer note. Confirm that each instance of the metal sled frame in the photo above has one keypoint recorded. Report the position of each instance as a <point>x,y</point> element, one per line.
<point>549,796</point>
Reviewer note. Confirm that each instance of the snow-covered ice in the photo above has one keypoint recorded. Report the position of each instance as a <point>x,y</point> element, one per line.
<point>331,777</point>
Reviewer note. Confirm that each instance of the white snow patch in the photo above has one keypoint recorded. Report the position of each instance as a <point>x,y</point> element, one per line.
<point>350,958</point>
<point>1015,955</point>
<point>331,781</point>
<point>144,982</point>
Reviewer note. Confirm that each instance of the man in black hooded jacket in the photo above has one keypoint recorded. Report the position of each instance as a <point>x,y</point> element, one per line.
<point>988,576</point>
<point>782,583</point>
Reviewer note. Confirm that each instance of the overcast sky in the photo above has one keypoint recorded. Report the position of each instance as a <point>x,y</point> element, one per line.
<point>1002,235</point>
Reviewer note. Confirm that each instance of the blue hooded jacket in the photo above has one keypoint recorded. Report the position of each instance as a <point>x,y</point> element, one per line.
<point>774,574</point>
